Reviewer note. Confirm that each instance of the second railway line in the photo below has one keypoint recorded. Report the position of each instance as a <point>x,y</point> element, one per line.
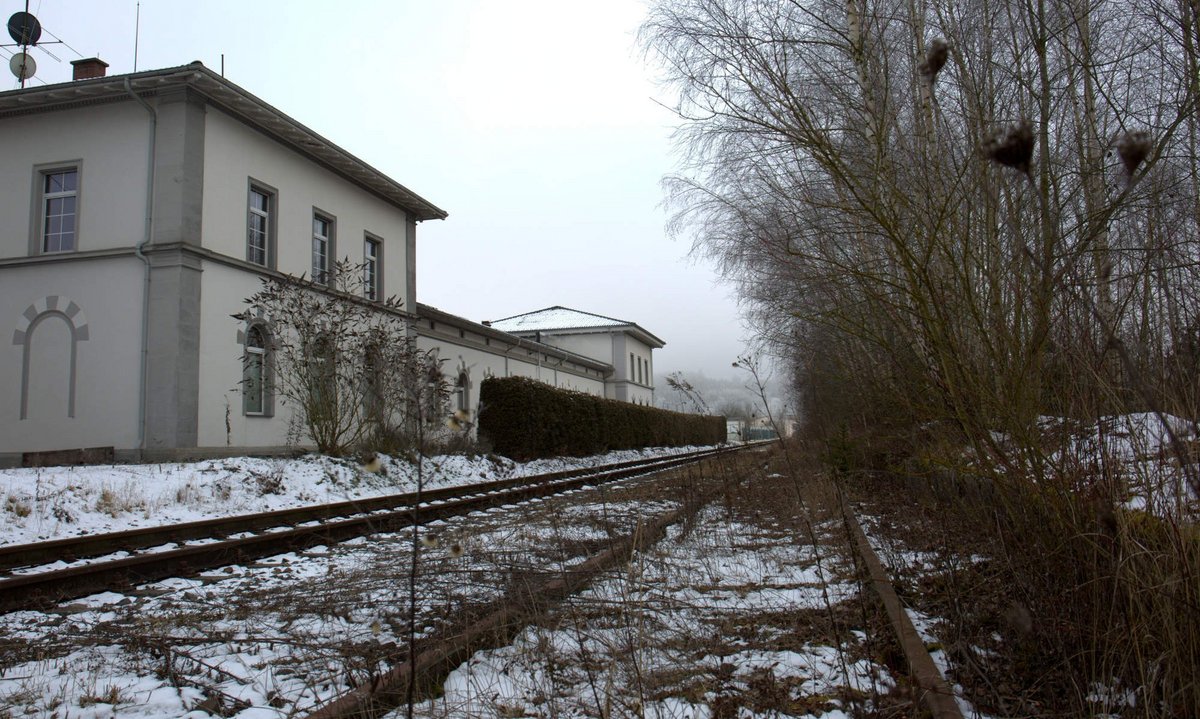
<point>308,625</point>
<point>120,559</point>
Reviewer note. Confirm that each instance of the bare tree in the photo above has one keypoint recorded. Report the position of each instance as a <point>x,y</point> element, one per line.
<point>345,364</point>
<point>835,173</point>
<point>955,219</point>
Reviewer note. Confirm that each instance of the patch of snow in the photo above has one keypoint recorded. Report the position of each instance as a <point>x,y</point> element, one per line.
<point>40,504</point>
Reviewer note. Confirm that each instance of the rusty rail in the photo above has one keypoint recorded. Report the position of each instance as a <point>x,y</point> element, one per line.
<point>936,694</point>
<point>41,589</point>
<point>437,657</point>
<point>95,545</point>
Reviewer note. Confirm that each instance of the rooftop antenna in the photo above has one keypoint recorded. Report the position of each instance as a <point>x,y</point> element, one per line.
<point>137,26</point>
<point>25,30</point>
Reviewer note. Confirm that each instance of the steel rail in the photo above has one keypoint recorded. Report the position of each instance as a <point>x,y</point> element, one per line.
<point>498,623</point>
<point>933,689</point>
<point>34,590</point>
<point>15,556</point>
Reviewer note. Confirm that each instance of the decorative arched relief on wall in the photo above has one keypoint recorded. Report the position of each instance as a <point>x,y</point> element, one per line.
<point>52,308</point>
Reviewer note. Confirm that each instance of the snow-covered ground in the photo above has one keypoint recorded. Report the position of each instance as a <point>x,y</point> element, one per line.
<point>54,502</point>
<point>700,626</point>
<point>1134,453</point>
<point>735,611</point>
<point>1128,459</point>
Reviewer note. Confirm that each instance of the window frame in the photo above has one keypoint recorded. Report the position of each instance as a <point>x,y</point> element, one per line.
<point>324,276</point>
<point>37,225</point>
<point>271,217</point>
<point>321,377</point>
<point>372,267</point>
<point>265,360</point>
<point>374,406</point>
<point>462,391</point>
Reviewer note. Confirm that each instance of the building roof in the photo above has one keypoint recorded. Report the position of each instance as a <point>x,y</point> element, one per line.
<point>568,321</point>
<point>232,99</point>
<point>433,313</point>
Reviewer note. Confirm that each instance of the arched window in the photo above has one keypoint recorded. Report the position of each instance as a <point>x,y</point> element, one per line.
<point>256,372</point>
<point>462,391</point>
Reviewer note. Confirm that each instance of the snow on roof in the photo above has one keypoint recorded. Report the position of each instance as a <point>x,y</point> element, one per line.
<point>556,318</point>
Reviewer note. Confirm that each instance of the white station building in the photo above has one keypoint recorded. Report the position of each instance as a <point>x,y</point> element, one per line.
<point>142,209</point>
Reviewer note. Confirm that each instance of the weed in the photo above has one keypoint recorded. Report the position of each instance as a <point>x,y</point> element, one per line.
<point>268,482</point>
<point>187,494</point>
<point>17,506</point>
<point>115,502</point>
<point>111,696</point>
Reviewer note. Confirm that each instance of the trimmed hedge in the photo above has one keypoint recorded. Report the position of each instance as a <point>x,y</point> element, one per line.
<point>525,419</point>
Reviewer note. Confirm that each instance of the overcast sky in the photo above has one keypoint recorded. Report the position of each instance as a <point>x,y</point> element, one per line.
<point>534,124</point>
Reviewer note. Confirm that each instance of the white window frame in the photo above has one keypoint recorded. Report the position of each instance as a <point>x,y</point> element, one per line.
<point>372,267</point>
<point>322,272</point>
<point>268,218</point>
<point>43,199</point>
<point>262,357</point>
<point>462,391</point>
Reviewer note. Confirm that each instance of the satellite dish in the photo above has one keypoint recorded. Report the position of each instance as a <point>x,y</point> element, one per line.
<point>24,28</point>
<point>22,65</point>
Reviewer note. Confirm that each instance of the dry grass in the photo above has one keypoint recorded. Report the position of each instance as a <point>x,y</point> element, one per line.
<point>1051,604</point>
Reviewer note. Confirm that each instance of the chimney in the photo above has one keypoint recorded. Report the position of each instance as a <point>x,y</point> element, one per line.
<point>88,68</point>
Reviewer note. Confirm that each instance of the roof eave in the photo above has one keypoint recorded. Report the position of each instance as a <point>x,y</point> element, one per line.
<point>239,103</point>
<point>431,312</point>
<point>632,328</point>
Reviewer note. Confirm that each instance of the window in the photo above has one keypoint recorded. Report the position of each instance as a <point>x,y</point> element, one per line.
<point>632,367</point>
<point>641,376</point>
<point>260,229</point>
<point>255,373</point>
<point>373,400</point>
<point>322,382</point>
<point>372,281</point>
<point>322,248</point>
<point>59,209</point>
<point>462,397</point>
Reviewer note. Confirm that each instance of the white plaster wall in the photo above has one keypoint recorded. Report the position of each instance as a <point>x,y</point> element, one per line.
<point>111,142</point>
<point>596,345</point>
<point>517,363</point>
<point>107,364</point>
<point>642,350</point>
<point>222,292</point>
<point>234,153</point>
<point>641,395</point>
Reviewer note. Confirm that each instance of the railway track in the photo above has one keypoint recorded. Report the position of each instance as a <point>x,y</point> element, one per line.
<point>194,547</point>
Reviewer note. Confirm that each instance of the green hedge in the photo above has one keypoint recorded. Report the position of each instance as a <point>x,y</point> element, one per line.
<point>525,419</point>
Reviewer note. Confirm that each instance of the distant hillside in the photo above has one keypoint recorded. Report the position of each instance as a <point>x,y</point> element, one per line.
<point>729,397</point>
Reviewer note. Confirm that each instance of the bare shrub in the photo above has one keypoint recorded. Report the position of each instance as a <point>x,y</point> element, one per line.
<point>936,305</point>
<point>344,363</point>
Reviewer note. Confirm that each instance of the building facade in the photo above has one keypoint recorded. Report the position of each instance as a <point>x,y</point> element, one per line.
<point>624,345</point>
<point>471,352</point>
<point>142,209</point>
